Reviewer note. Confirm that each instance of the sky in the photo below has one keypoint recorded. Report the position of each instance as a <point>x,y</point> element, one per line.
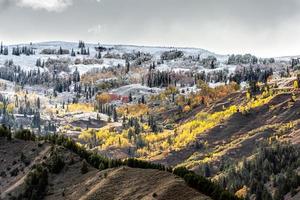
<point>266,28</point>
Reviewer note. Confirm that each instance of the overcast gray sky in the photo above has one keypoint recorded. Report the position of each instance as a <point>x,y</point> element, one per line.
<point>261,27</point>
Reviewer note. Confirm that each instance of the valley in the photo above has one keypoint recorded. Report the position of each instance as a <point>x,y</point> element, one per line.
<point>230,119</point>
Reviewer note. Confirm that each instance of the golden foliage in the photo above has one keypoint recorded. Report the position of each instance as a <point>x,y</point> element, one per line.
<point>80,107</point>
<point>186,108</point>
<point>85,135</point>
<point>184,134</point>
<point>206,94</point>
<point>157,137</point>
<point>94,76</point>
<point>105,138</point>
<point>189,131</point>
<point>133,110</point>
<point>103,98</point>
<point>242,193</point>
<point>296,84</point>
<point>10,108</point>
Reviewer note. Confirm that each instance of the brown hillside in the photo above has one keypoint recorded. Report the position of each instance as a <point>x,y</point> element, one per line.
<point>237,136</point>
<point>14,168</point>
<point>70,183</point>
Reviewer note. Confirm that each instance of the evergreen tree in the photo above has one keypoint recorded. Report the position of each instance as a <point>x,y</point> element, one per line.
<point>84,167</point>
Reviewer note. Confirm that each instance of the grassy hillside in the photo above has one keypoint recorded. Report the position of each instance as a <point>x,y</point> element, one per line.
<point>61,169</point>
<point>234,132</point>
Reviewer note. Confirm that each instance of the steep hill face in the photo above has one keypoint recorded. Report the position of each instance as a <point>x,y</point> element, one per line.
<point>78,180</point>
<point>238,135</point>
<point>17,158</point>
<point>129,183</point>
<point>259,141</point>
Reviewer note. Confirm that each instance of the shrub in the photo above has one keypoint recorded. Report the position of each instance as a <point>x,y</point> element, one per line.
<point>84,167</point>
<point>4,132</point>
<point>24,159</point>
<point>24,135</point>
<point>56,163</point>
<point>36,183</point>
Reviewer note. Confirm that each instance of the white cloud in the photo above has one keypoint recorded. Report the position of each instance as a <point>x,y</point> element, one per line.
<point>95,29</point>
<point>49,5</point>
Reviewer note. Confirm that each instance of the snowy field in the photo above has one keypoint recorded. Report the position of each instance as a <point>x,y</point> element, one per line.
<point>29,62</point>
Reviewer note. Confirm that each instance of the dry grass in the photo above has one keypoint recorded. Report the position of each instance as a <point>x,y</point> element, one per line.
<point>70,183</point>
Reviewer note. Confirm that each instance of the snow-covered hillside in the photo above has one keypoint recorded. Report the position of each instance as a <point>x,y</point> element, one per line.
<point>29,62</point>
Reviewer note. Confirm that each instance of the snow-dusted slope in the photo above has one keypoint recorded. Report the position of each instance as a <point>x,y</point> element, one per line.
<point>28,62</point>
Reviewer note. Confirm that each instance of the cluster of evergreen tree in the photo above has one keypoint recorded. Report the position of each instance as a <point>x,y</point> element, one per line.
<point>133,122</point>
<point>89,91</point>
<point>98,55</point>
<point>134,127</point>
<point>39,63</point>
<point>36,120</point>
<point>17,51</point>
<point>85,51</point>
<point>3,50</point>
<point>81,44</point>
<point>195,58</point>
<point>252,74</point>
<point>73,54</point>
<point>84,90</point>
<point>266,61</point>
<point>142,58</point>
<point>62,85</point>
<point>5,132</point>
<point>127,66</point>
<point>152,66</point>
<point>62,51</point>
<point>55,162</point>
<point>76,76</point>
<point>204,185</point>
<point>36,77</point>
<point>160,79</point>
<point>171,55</point>
<point>136,56</point>
<point>24,135</point>
<point>276,163</point>
<point>135,163</point>
<point>242,59</point>
<point>166,78</point>
<point>142,100</point>
<point>9,63</point>
<point>37,180</point>
<point>216,76</point>
<point>152,123</point>
<point>50,127</point>
<point>295,62</point>
<point>32,77</point>
<point>209,62</point>
<point>25,108</point>
<point>108,109</point>
<point>35,183</point>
